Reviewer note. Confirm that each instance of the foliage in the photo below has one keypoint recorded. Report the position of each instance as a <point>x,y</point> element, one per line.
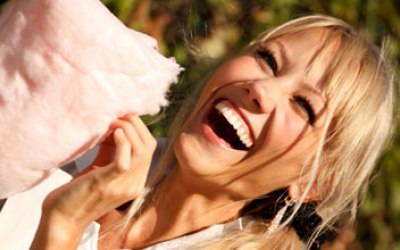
<point>199,34</point>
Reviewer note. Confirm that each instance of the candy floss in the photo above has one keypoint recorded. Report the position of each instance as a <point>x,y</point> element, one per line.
<point>68,69</point>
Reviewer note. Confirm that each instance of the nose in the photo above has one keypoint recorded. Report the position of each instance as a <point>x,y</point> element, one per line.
<point>260,99</point>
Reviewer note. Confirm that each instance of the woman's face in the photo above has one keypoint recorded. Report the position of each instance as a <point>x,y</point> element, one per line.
<point>266,102</point>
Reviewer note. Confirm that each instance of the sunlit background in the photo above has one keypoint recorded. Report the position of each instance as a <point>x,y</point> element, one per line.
<point>201,33</point>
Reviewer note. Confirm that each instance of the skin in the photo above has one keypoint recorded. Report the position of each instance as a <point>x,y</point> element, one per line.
<point>210,183</point>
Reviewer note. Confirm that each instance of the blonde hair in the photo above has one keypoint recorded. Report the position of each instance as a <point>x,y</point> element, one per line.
<point>359,87</point>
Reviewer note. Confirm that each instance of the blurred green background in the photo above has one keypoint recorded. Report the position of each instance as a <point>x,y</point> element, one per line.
<point>200,34</point>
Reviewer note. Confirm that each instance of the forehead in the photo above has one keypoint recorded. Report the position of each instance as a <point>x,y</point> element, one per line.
<point>308,43</point>
<point>309,51</point>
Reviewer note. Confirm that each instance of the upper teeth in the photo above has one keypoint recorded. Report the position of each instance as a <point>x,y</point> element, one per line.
<point>225,108</point>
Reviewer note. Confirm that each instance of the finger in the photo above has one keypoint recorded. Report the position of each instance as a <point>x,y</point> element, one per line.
<point>130,133</point>
<point>143,131</point>
<point>122,158</point>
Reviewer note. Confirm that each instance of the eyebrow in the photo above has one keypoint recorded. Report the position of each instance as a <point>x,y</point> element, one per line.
<point>284,60</point>
<point>315,92</point>
<point>282,56</point>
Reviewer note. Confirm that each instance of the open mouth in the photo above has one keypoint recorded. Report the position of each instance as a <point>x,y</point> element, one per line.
<point>229,126</point>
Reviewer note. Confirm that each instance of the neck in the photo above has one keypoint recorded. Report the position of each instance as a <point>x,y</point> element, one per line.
<point>181,205</point>
<point>193,200</point>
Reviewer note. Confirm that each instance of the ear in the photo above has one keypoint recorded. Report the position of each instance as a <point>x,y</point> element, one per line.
<point>297,189</point>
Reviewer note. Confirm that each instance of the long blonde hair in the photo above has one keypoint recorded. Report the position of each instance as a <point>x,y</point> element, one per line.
<point>359,87</point>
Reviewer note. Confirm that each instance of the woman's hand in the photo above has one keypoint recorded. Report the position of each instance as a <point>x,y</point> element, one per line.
<point>68,210</point>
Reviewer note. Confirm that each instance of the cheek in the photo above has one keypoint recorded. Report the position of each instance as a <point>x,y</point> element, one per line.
<point>239,69</point>
<point>293,129</point>
<point>288,136</point>
<point>233,71</point>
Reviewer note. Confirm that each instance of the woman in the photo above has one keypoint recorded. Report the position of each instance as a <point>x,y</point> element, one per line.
<point>281,141</point>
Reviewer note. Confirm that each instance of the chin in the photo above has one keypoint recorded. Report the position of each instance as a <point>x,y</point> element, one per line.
<point>195,158</point>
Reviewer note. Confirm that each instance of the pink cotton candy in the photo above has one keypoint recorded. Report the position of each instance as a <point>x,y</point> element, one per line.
<point>68,69</point>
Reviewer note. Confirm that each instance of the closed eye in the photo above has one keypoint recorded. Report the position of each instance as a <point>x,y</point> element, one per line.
<point>268,58</point>
<point>306,106</point>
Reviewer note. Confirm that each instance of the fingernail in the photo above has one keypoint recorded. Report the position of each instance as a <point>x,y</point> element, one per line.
<point>119,133</point>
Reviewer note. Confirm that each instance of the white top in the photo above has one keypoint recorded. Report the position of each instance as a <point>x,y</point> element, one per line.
<point>20,215</point>
<point>20,218</point>
<point>90,238</point>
